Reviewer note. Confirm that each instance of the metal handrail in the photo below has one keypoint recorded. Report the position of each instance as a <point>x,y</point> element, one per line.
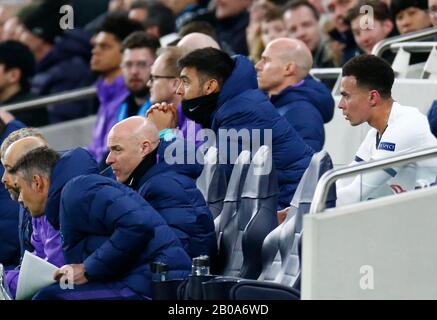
<point>413,46</point>
<point>326,181</point>
<point>384,45</point>
<point>73,95</point>
<point>327,73</point>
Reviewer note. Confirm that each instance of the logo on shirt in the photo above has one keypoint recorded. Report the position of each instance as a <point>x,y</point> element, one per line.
<point>387,146</point>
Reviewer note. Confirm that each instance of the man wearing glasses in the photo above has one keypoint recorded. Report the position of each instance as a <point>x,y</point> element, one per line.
<point>163,83</point>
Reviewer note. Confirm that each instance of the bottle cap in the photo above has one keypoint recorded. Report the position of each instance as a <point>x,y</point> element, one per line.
<point>202,261</point>
<point>159,267</point>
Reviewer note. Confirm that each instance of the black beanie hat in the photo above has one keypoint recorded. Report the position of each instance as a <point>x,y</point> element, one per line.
<point>397,6</point>
<point>42,20</point>
<point>14,54</point>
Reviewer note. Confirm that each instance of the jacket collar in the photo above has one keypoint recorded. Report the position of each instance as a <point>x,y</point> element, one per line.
<point>135,179</point>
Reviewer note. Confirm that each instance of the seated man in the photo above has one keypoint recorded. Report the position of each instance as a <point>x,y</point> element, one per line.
<point>137,158</point>
<point>224,96</point>
<point>46,238</point>
<point>283,73</point>
<point>366,97</point>
<point>410,15</point>
<point>9,209</point>
<point>110,234</point>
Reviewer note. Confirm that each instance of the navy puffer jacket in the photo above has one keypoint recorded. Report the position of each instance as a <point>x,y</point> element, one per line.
<point>242,105</point>
<point>171,190</point>
<point>307,107</point>
<point>117,234</point>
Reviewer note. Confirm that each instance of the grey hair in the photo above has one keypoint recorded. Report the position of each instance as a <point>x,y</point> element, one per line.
<point>37,161</point>
<point>18,135</point>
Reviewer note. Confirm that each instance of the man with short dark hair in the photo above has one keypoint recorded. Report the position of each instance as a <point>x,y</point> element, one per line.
<point>110,235</point>
<point>366,97</point>
<point>138,56</point>
<point>111,89</point>
<point>225,95</point>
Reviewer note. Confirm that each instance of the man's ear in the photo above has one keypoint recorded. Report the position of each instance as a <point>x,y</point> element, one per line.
<point>14,75</point>
<point>39,182</point>
<point>146,148</point>
<point>211,86</point>
<point>291,68</point>
<point>374,97</point>
<point>387,26</point>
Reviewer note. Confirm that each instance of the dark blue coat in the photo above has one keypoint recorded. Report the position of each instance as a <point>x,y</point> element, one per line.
<point>172,191</point>
<point>432,118</point>
<point>307,107</point>
<point>72,164</point>
<point>9,209</point>
<point>242,105</point>
<point>64,68</point>
<point>117,234</point>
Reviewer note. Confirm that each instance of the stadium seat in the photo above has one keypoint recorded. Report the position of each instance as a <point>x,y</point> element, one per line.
<point>212,182</point>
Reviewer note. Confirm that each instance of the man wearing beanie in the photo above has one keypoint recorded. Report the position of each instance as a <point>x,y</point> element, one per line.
<point>17,67</point>
<point>62,58</point>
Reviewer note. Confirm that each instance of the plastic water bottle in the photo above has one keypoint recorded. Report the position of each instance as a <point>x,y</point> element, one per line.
<point>200,266</point>
<point>159,270</point>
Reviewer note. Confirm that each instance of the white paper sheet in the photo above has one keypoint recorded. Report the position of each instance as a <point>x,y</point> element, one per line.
<point>35,274</point>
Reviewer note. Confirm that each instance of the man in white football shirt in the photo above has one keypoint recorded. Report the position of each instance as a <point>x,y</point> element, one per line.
<point>366,97</point>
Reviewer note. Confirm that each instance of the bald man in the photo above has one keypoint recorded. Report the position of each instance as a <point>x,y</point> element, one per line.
<point>137,158</point>
<point>196,40</point>
<point>283,73</point>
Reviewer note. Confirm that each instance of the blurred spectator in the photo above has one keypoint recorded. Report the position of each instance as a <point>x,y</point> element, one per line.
<point>12,29</point>
<point>17,67</point>
<point>85,11</point>
<point>62,60</point>
<point>111,89</point>
<point>369,33</point>
<point>432,7</point>
<point>184,10</point>
<point>139,53</point>
<point>257,10</point>
<point>232,20</point>
<point>272,26</point>
<point>410,15</point>
<point>342,39</point>
<point>158,20</point>
<point>283,73</point>
<point>198,26</point>
<point>5,15</point>
<point>302,22</point>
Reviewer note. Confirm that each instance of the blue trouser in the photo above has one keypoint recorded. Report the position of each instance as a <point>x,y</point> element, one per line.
<point>89,291</point>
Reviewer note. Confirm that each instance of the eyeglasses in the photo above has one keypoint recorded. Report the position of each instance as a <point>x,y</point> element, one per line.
<point>156,77</point>
<point>139,64</point>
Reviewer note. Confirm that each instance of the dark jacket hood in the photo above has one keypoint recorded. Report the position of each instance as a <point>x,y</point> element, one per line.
<point>312,91</point>
<point>72,164</point>
<point>242,78</point>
